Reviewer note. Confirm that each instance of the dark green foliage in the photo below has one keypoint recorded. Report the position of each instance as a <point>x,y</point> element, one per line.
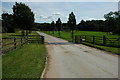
<point>93,25</point>
<point>46,26</point>
<point>23,16</point>
<point>58,25</point>
<point>7,23</point>
<point>113,21</point>
<point>72,22</point>
<point>111,24</point>
<point>52,25</point>
<point>65,27</point>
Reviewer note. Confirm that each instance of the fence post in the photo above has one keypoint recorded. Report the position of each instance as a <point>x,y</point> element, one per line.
<point>93,39</point>
<point>14,43</point>
<point>42,39</point>
<point>85,38</point>
<point>104,40</point>
<point>26,39</point>
<point>80,39</point>
<point>76,39</point>
<point>21,42</point>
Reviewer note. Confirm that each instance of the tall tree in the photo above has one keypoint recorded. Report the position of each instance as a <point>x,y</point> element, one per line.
<point>110,22</point>
<point>53,26</point>
<point>113,21</point>
<point>72,23</point>
<point>23,17</point>
<point>58,25</point>
<point>7,23</point>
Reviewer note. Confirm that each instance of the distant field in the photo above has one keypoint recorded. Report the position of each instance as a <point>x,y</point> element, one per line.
<point>28,61</point>
<point>7,35</point>
<point>67,36</point>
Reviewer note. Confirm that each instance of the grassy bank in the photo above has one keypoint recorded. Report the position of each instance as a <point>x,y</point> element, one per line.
<point>109,49</point>
<point>67,36</point>
<point>27,61</point>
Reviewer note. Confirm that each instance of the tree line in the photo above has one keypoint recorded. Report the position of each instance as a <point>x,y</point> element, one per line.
<point>111,24</point>
<point>23,19</point>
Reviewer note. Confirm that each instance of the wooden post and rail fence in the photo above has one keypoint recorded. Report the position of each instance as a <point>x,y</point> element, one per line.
<point>9,44</point>
<point>98,40</point>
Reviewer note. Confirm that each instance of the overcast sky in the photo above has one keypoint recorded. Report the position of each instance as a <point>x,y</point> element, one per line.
<point>48,11</point>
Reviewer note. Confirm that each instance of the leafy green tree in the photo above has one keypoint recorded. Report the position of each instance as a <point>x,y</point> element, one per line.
<point>81,26</point>
<point>53,26</point>
<point>72,23</point>
<point>65,27</point>
<point>110,22</point>
<point>58,24</point>
<point>23,17</point>
<point>113,21</point>
<point>7,23</point>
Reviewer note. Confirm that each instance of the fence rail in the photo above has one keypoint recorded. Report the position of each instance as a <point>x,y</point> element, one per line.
<point>99,40</point>
<point>9,44</point>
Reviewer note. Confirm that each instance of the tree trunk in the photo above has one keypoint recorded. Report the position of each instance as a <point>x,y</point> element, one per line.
<point>26,32</point>
<point>49,31</point>
<point>59,34</point>
<point>72,35</point>
<point>53,32</point>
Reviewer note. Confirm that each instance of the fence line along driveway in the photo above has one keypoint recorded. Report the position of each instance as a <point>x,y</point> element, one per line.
<point>9,44</point>
<point>68,60</point>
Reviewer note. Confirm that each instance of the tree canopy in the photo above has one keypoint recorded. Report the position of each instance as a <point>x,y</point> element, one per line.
<point>23,16</point>
<point>7,23</point>
<point>113,21</point>
<point>58,24</point>
<point>71,21</point>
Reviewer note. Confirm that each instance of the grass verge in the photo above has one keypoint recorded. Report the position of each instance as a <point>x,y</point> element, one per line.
<point>27,61</point>
<point>109,49</point>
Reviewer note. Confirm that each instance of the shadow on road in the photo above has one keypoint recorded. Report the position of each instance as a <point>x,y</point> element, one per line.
<point>58,43</point>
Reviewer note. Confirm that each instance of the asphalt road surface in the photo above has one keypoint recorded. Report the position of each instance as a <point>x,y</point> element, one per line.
<point>68,60</point>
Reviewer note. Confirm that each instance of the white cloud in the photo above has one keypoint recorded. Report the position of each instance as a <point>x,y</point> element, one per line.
<point>45,17</point>
<point>57,13</point>
<point>48,11</point>
<point>41,15</point>
<point>88,18</point>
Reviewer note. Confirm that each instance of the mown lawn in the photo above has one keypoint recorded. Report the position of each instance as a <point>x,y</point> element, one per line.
<point>27,61</point>
<point>67,36</point>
